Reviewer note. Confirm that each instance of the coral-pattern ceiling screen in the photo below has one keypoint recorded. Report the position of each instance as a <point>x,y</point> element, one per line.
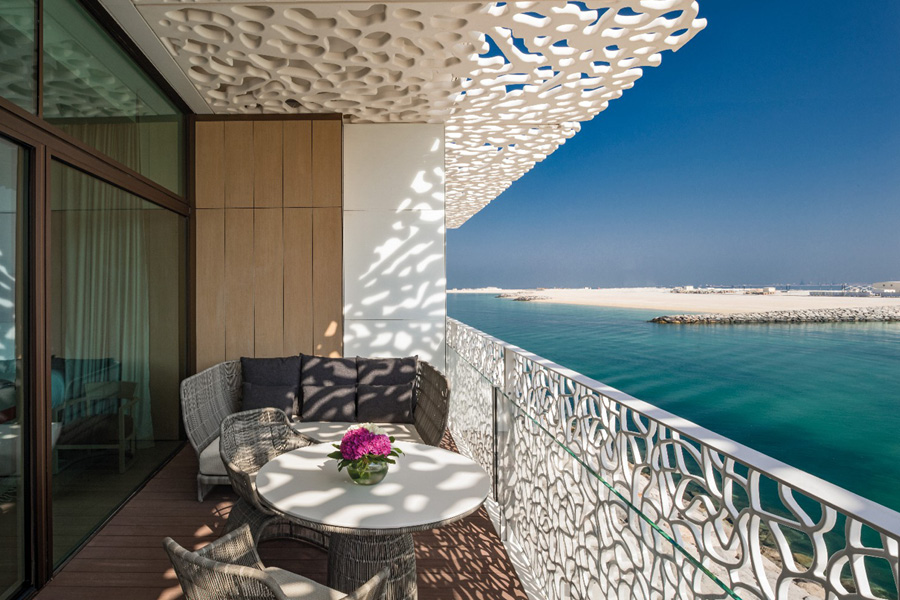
<point>510,81</point>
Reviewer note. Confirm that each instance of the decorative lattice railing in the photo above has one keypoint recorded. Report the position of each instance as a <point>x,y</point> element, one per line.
<point>611,497</point>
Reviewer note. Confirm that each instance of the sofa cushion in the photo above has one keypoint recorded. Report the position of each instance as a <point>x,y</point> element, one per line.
<point>76,372</point>
<point>384,403</point>
<point>319,371</point>
<point>284,397</point>
<point>210,461</point>
<point>329,403</point>
<point>386,371</point>
<point>271,371</point>
<point>333,432</point>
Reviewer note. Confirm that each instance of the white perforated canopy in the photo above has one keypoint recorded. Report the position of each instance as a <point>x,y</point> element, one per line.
<point>510,81</point>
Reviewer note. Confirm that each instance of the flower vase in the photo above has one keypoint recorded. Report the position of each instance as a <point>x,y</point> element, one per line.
<point>368,475</point>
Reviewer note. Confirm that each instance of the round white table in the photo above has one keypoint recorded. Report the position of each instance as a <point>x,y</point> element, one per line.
<point>371,526</point>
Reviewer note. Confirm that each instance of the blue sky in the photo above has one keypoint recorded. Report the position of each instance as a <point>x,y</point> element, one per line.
<point>767,150</point>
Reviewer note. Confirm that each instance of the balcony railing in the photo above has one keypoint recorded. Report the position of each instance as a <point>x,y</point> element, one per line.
<point>610,497</point>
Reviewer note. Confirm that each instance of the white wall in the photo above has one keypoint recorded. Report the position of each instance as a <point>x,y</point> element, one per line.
<point>394,268</point>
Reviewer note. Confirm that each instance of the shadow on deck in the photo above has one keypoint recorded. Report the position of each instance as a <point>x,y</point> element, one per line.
<point>462,561</point>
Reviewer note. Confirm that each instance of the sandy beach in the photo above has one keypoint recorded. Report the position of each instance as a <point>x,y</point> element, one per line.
<point>667,302</point>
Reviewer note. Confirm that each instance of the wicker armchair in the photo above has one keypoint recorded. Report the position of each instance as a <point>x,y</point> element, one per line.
<point>432,403</point>
<point>206,399</point>
<point>230,569</point>
<point>248,440</point>
<point>211,395</point>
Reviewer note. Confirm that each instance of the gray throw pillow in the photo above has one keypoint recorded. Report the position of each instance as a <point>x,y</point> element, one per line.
<point>319,370</point>
<point>385,403</point>
<point>285,397</point>
<point>329,403</point>
<point>271,371</point>
<point>386,371</point>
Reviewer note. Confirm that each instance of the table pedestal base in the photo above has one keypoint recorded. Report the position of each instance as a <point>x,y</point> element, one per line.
<point>354,559</point>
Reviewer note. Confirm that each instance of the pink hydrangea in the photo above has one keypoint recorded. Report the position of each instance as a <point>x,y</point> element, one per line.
<point>358,442</point>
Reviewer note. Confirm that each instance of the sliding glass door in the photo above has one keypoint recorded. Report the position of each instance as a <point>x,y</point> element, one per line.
<point>13,298</point>
<point>93,282</point>
<point>117,311</point>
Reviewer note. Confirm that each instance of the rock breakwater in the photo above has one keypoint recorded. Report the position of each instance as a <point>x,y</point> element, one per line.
<point>516,297</point>
<point>885,314</point>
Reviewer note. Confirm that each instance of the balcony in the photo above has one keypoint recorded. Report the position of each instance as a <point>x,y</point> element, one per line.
<point>279,205</point>
<point>596,495</point>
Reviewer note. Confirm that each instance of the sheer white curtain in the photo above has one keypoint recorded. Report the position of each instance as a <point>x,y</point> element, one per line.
<point>100,266</point>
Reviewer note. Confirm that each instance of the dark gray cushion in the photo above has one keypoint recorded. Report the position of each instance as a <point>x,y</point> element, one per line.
<point>386,371</point>
<point>329,403</point>
<point>271,371</point>
<point>285,397</point>
<point>319,370</point>
<point>385,404</point>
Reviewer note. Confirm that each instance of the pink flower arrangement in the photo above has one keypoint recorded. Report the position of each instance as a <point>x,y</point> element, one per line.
<point>363,445</point>
<point>358,442</point>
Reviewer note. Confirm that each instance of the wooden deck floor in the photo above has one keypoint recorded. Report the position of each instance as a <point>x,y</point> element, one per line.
<point>463,561</point>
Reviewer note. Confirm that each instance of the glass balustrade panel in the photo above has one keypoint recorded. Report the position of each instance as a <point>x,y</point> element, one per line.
<point>561,500</point>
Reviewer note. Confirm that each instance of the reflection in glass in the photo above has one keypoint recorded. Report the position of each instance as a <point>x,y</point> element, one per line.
<point>117,335</point>
<point>95,92</point>
<point>13,172</point>
<point>18,53</point>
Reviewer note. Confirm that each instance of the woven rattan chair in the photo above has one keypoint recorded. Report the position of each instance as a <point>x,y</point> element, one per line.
<point>247,441</point>
<point>206,399</point>
<point>432,403</point>
<point>230,569</point>
<point>211,395</point>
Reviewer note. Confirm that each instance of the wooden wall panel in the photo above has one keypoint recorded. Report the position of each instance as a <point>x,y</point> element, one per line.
<point>239,145</point>
<point>298,282</point>
<point>268,151</point>
<point>297,163</point>
<point>209,152</point>
<point>239,289</point>
<point>210,287</point>
<point>328,319</point>
<point>326,163</point>
<point>268,281</point>
<point>269,266</point>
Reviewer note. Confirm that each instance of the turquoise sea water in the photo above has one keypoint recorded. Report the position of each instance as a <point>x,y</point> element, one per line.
<point>822,397</point>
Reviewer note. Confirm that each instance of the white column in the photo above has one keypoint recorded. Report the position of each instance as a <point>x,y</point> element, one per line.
<point>394,265</point>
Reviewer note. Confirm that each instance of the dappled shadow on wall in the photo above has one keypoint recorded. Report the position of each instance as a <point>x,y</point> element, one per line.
<point>395,285</point>
<point>397,338</point>
<point>394,248</point>
<point>403,278</point>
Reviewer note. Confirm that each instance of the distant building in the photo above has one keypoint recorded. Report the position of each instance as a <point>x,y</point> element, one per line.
<point>887,286</point>
<point>890,289</point>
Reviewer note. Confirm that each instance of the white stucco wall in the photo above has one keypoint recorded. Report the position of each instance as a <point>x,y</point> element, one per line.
<point>394,263</point>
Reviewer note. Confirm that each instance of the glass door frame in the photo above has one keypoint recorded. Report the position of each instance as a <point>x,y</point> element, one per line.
<point>36,468</point>
<point>46,143</point>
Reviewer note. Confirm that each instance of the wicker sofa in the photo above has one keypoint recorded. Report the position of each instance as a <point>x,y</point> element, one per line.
<point>213,394</point>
